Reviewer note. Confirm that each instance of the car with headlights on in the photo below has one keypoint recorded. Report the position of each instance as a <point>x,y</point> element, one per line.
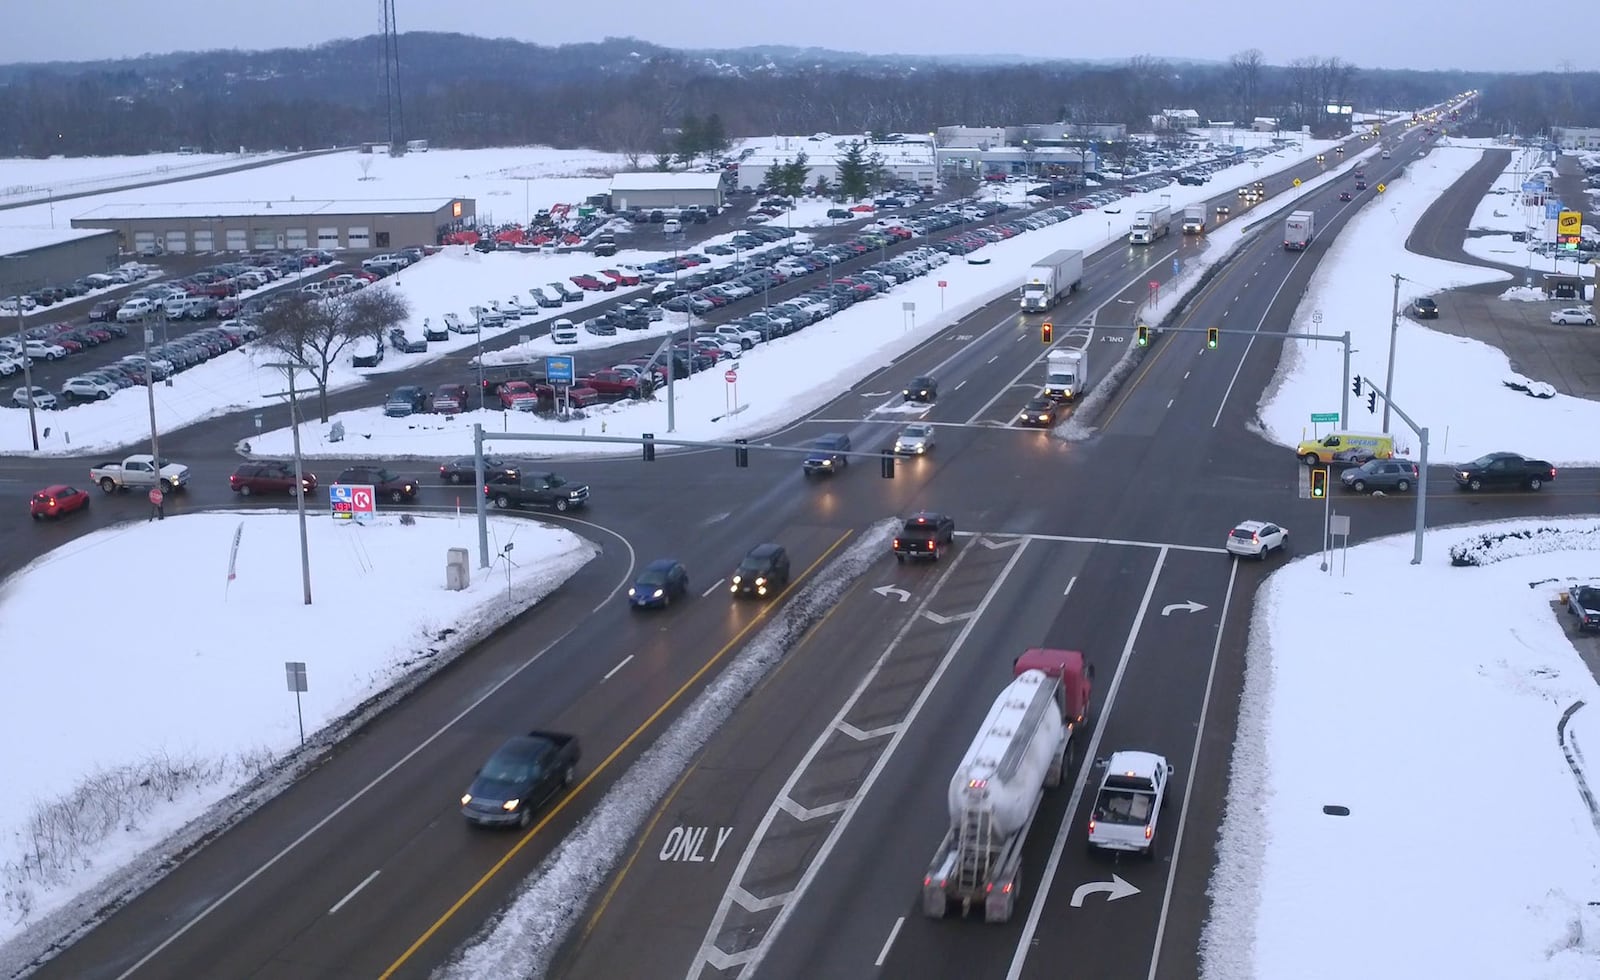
<point>763,572</point>
<point>521,776</point>
<point>921,389</point>
<point>661,581</point>
<point>1039,411</point>
<point>914,440</point>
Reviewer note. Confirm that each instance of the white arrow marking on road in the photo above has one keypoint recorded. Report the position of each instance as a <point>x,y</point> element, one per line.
<point>1190,606</point>
<point>1115,888</point>
<point>889,590</point>
<point>946,620</point>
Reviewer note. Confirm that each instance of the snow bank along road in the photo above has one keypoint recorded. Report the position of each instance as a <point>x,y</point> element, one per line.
<point>580,664</point>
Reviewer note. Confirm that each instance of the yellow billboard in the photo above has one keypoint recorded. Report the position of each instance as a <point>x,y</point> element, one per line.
<point>1569,224</point>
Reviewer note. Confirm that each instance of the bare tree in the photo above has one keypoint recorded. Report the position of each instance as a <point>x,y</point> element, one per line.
<point>629,128</point>
<point>1244,71</point>
<point>1302,90</point>
<point>312,332</point>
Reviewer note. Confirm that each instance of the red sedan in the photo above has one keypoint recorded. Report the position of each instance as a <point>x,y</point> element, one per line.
<point>57,501</point>
<point>626,278</point>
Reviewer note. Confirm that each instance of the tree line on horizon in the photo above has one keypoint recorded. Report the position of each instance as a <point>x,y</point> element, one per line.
<point>469,92</point>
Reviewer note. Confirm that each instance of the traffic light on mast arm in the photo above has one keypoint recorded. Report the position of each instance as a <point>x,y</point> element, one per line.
<point>1355,386</point>
<point>1047,332</point>
<point>1211,338</point>
<point>1144,336</point>
<point>1319,483</point>
<point>1372,402</point>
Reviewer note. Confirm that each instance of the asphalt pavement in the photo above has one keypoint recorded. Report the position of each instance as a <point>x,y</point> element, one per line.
<point>364,868</point>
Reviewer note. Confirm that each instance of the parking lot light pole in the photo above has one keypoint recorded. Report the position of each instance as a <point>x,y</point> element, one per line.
<point>150,396</point>
<point>27,374</point>
<point>289,370</point>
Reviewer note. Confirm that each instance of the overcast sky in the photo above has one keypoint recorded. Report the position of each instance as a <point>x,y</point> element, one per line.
<point>1425,35</point>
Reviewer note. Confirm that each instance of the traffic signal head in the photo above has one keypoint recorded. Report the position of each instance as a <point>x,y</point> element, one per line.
<point>1372,401</point>
<point>1319,483</point>
<point>1144,335</point>
<point>1355,386</point>
<point>1211,338</point>
<point>887,466</point>
<point>741,452</point>
<point>649,442</point>
<point>1047,332</point>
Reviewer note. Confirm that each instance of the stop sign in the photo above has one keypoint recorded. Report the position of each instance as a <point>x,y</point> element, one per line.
<point>730,375</point>
<point>155,496</point>
<point>942,284</point>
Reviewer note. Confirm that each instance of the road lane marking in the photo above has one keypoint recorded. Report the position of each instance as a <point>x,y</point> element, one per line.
<point>883,954</point>
<point>606,763</point>
<point>1188,786</point>
<point>1070,583</point>
<point>714,587</point>
<point>1254,334</point>
<point>962,385</point>
<point>749,959</point>
<point>364,883</point>
<point>620,664</point>
<point>992,359</point>
<point>416,750</point>
<point>1025,941</point>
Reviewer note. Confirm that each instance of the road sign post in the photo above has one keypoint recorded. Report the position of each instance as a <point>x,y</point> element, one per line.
<point>942,284</point>
<point>731,376</point>
<point>295,671</point>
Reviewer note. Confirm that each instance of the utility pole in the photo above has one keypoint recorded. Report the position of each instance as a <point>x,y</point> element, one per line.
<point>150,394</point>
<point>27,373</point>
<point>299,478</point>
<point>1394,330</point>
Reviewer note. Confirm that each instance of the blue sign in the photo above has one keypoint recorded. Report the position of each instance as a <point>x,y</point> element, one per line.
<point>559,369</point>
<point>1552,210</point>
<point>341,502</point>
<point>1531,187</point>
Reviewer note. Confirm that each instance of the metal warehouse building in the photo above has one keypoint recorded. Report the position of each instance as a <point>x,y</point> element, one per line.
<point>32,259</point>
<point>666,190</point>
<point>246,226</point>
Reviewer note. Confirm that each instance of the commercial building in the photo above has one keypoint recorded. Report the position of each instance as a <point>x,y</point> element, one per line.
<point>909,159</point>
<point>1577,138</point>
<point>246,226</point>
<point>655,189</point>
<point>31,259</point>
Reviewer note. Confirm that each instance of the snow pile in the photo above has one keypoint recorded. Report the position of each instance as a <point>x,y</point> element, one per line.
<point>1524,294</point>
<point>521,940</point>
<point>1529,539</point>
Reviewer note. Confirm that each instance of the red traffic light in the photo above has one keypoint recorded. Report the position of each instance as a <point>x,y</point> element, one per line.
<point>1047,332</point>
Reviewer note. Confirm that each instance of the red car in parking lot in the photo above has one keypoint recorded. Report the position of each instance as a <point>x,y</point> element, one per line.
<point>586,281</point>
<point>626,278</point>
<point>57,501</point>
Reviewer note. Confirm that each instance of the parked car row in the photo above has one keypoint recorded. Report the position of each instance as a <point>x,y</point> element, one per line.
<point>164,360</point>
<point>123,275</point>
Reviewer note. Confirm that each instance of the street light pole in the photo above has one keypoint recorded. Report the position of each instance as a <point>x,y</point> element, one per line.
<point>150,394</point>
<point>299,478</point>
<point>27,374</point>
<point>1394,330</point>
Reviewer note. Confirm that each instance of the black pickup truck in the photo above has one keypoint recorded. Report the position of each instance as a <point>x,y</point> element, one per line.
<point>514,488</point>
<point>521,776</point>
<point>924,535</point>
<point>1504,470</point>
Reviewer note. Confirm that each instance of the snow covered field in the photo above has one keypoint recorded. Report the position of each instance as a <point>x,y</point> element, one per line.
<point>1468,851</point>
<point>39,180</point>
<point>770,388</point>
<point>197,706</point>
<point>1451,384</point>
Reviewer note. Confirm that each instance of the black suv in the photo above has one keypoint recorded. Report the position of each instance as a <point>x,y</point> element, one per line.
<point>921,389</point>
<point>399,489</point>
<point>764,570</point>
<point>1425,309</point>
<point>924,535</point>
<point>828,455</point>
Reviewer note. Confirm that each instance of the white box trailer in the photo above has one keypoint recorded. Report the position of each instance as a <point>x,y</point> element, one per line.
<point>1194,219</point>
<point>1051,278</point>
<point>1150,224</point>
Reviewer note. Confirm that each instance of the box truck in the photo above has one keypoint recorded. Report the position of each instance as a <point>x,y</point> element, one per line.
<point>1051,278</point>
<point>1194,219</point>
<point>1298,230</point>
<point>1066,374</point>
<point>1149,225</point>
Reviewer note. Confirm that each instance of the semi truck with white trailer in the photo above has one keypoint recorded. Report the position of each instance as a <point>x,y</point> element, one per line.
<point>1066,374</point>
<point>1051,278</point>
<point>1298,230</point>
<point>1194,219</point>
<point>1023,747</point>
<point>1150,224</point>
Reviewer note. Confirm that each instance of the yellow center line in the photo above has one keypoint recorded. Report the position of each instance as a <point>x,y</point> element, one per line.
<point>602,767</point>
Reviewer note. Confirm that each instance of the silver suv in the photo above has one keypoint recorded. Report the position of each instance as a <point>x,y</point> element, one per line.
<point>1397,475</point>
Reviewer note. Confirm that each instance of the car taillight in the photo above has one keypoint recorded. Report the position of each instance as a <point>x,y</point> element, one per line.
<point>896,543</point>
<point>930,543</point>
<point>1149,831</point>
<point>1255,539</point>
<point>1091,828</point>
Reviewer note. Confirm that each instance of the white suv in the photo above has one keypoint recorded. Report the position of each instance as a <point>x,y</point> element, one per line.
<point>746,339</point>
<point>135,309</point>
<point>41,398</point>
<point>88,389</point>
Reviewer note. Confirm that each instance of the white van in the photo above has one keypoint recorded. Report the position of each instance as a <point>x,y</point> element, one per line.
<point>564,331</point>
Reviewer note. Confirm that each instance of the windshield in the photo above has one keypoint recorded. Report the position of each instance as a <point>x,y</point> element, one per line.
<point>653,578</point>
<point>509,770</point>
<point>753,566</point>
<point>1123,807</point>
<point>384,476</point>
<point>915,432</point>
<point>1481,462</point>
<point>1371,466</point>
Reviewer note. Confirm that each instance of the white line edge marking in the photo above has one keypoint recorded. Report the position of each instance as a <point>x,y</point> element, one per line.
<point>416,750</point>
<point>1256,333</point>
<point>883,953</point>
<point>352,893</point>
<point>1025,941</point>
<point>1188,785</point>
<point>715,586</point>
<point>956,388</point>
<point>1070,583</point>
<point>620,664</point>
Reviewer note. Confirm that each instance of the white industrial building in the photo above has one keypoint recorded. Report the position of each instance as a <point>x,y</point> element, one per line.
<point>907,158</point>
<point>659,189</point>
<point>1577,138</point>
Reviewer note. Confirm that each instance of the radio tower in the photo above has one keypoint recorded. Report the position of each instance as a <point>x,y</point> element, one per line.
<point>393,106</point>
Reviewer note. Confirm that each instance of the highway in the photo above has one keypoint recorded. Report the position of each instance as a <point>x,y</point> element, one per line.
<point>364,868</point>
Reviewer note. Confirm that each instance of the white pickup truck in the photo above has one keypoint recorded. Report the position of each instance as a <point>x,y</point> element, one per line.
<point>1132,794</point>
<point>139,472</point>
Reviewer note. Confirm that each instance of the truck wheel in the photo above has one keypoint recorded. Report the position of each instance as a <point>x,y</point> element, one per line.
<point>1474,484</point>
<point>900,558</point>
<point>108,485</point>
<point>562,505</point>
<point>171,485</point>
<point>1535,484</point>
<point>455,478</point>
<point>244,491</point>
<point>502,502</point>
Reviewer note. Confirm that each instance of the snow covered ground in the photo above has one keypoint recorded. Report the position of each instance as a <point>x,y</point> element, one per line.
<point>1469,851</point>
<point>1450,384</point>
<point>137,731</point>
<point>771,391</point>
<point>507,183</point>
<point>39,180</point>
<point>1502,212</point>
